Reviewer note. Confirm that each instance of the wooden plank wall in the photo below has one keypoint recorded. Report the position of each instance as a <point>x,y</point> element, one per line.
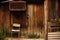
<point>38,20</point>
<point>4,17</point>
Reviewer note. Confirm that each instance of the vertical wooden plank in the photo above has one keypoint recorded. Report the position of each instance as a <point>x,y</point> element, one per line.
<point>39,18</point>
<point>49,14</point>
<point>35,20</point>
<point>30,16</point>
<point>58,14</point>
<point>46,3</point>
<point>57,10</point>
<point>1,16</point>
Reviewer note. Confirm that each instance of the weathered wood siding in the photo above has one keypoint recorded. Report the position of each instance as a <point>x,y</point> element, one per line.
<point>4,17</point>
<point>40,18</point>
<point>35,18</point>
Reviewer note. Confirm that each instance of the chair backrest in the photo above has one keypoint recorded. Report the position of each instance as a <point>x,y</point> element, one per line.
<point>16,25</point>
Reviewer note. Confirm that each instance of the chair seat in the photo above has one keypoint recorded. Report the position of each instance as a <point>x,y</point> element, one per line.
<point>15,30</point>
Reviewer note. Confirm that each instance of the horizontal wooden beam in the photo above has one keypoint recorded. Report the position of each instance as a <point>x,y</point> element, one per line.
<point>29,1</point>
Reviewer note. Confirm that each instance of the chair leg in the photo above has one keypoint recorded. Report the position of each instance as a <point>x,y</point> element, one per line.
<point>19,35</point>
<point>11,35</point>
